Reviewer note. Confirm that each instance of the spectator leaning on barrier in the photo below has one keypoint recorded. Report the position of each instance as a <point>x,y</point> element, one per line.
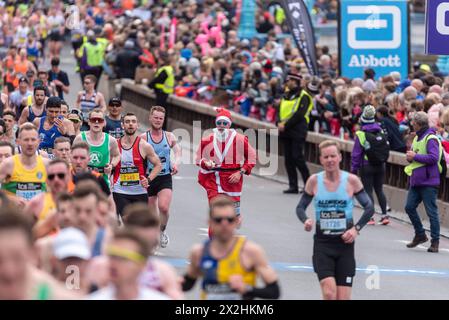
<point>424,171</point>
<point>370,153</point>
<point>294,115</point>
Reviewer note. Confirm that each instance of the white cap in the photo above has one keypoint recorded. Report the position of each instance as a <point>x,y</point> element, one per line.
<point>71,242</point>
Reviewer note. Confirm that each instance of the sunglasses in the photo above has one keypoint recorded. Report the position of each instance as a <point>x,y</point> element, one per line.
<point>221,123</point>
<point>75,120</point>
<point>96,120</point>
<point>220,219</point>
<point>52,176</point>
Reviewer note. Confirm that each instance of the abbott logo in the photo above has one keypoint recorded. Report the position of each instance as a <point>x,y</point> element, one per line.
<point>442,9</point>
<point>373,21</point>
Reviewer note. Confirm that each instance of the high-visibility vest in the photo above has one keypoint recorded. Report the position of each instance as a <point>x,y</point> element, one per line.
<point>362,139</point>
<point>420,147</point>
<point>289,107</point>
<point>168,86</point>
<point>95,54</point>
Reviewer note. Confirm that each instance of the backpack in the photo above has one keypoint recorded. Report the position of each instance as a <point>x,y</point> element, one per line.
<point>376,147</point>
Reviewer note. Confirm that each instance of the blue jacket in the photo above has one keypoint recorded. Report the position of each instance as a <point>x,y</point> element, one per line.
<point>236,81</point>
<point>428,175</point>
<point>357,157</point>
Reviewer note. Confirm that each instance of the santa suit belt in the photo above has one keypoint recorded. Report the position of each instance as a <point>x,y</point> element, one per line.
<point>219,169</point>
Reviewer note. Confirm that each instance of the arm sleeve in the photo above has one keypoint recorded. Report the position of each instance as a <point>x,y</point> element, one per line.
<point>299,114</point>
<point>306,199</point>
<point>365,201</point>
<point>271,291</point>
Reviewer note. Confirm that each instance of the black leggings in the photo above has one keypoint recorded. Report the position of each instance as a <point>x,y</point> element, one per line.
<point>373,177</point>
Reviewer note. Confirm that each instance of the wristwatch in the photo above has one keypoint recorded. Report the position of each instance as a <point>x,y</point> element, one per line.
<point>242,171</point>
<point>358,228</point>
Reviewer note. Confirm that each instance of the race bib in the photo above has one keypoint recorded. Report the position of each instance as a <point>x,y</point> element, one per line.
<point>221,292</point>
<point>129,176</point>
<point>333,222</point>
<point>28,190</point>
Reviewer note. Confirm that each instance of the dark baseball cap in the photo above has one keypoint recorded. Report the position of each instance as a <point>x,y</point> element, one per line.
<point>23,79</point>
<point>115,101</point>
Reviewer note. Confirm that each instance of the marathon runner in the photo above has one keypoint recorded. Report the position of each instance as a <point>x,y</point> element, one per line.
<point>114,118</point>
<point>89,99</point>
<point>25,174</point>
<point>104,151</point>
<point>53,125</point>
<point>229,264</point>
<point>160,191</point>
<point>37,109</point>
<point>130,182</point>
<point>224,157</point>
<point>333,249</point>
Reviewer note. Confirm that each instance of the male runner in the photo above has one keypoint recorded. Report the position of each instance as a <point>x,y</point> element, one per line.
<point>53,125</point>
<point>114,118</point>
<point>130,182</point>
<point>333,250</point>
<point>160,191</point>
<point>62,149</point>
<point>104,151</point>
<point>229,264</point>
<point>25,174</point>
<point>37,109</point>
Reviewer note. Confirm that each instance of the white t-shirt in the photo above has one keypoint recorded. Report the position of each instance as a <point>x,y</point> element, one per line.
<point>108,293</point>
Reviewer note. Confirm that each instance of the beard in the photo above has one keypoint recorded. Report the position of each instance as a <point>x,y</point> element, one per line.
<point>130,132</point>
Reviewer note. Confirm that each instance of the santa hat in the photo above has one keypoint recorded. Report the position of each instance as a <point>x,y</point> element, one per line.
<point>223,114</point>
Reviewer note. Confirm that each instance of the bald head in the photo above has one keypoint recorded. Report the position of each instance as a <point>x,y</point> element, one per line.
<point>417,84</point>
<point>410,93</point>
<point>436,89</point>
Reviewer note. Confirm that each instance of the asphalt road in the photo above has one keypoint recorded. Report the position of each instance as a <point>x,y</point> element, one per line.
<point>270,220</point>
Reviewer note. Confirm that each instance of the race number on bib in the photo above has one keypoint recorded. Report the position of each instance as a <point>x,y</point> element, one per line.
<point>129,176</point>
<point>28,190</point>
<point>333,222</point>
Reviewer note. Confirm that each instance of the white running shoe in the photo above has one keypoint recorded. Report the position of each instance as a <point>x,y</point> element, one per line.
<point>164,240</point>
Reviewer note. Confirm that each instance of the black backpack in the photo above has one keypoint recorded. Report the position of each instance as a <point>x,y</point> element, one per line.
<point>377,147</point>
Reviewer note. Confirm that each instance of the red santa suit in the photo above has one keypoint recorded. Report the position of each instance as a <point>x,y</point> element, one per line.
<point>231,152</point>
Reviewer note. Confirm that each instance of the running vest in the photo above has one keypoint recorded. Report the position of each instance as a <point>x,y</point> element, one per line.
<point>162,149</point>
<point>87,105</point>
<point>217,272</point>
<point>26,183</point>
<point>32,52</point>
<point>49,206</point>
<point>129,170</point>
<point>99,155</point>
<point>150,277</point>
<point>289,107</point>
<point>94,54</point>
<point>48,136</point>
<point>32,116</point>
<point>114,127</point>
<point>333,210</point>
<point>169,85</point>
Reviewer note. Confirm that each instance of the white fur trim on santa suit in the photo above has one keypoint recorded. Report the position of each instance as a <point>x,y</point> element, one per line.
<point>223,118</point>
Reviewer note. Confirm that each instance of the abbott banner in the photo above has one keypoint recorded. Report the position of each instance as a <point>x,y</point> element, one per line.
<point>437,27</point>
<point>298,19</point>
<point>374,34</point>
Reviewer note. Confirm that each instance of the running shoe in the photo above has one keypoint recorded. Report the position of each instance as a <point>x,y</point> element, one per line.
<point>371,222</point>
<point>384,220</point>
<point>164,240</point>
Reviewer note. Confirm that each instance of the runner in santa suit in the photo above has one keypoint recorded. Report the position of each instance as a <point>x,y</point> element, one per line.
<point>224,157</point>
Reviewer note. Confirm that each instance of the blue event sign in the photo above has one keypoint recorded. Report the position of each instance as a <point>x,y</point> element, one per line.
<point>374,34</point>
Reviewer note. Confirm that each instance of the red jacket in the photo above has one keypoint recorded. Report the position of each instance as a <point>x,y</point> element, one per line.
<point>230,156</point>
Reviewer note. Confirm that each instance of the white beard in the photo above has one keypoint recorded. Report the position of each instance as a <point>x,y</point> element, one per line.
<point>221,136</point>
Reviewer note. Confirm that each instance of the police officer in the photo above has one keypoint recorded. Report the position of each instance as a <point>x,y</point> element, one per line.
<point>163,83</point>
<point>91,54</point>
<point>294,115</point>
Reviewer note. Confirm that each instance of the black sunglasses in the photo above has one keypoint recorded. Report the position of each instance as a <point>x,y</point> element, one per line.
<point>52,176</point>
<point>220,219</point>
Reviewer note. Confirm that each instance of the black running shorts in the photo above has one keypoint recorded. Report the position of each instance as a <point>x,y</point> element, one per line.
<point>122,200</point>
<point>160,183</point>
<point>334,260</point>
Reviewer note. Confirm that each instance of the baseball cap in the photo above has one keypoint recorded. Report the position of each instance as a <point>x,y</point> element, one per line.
<point>23,79</point>
<point>71,243</point>
<point>75,113</point>
<point>115,101</point>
